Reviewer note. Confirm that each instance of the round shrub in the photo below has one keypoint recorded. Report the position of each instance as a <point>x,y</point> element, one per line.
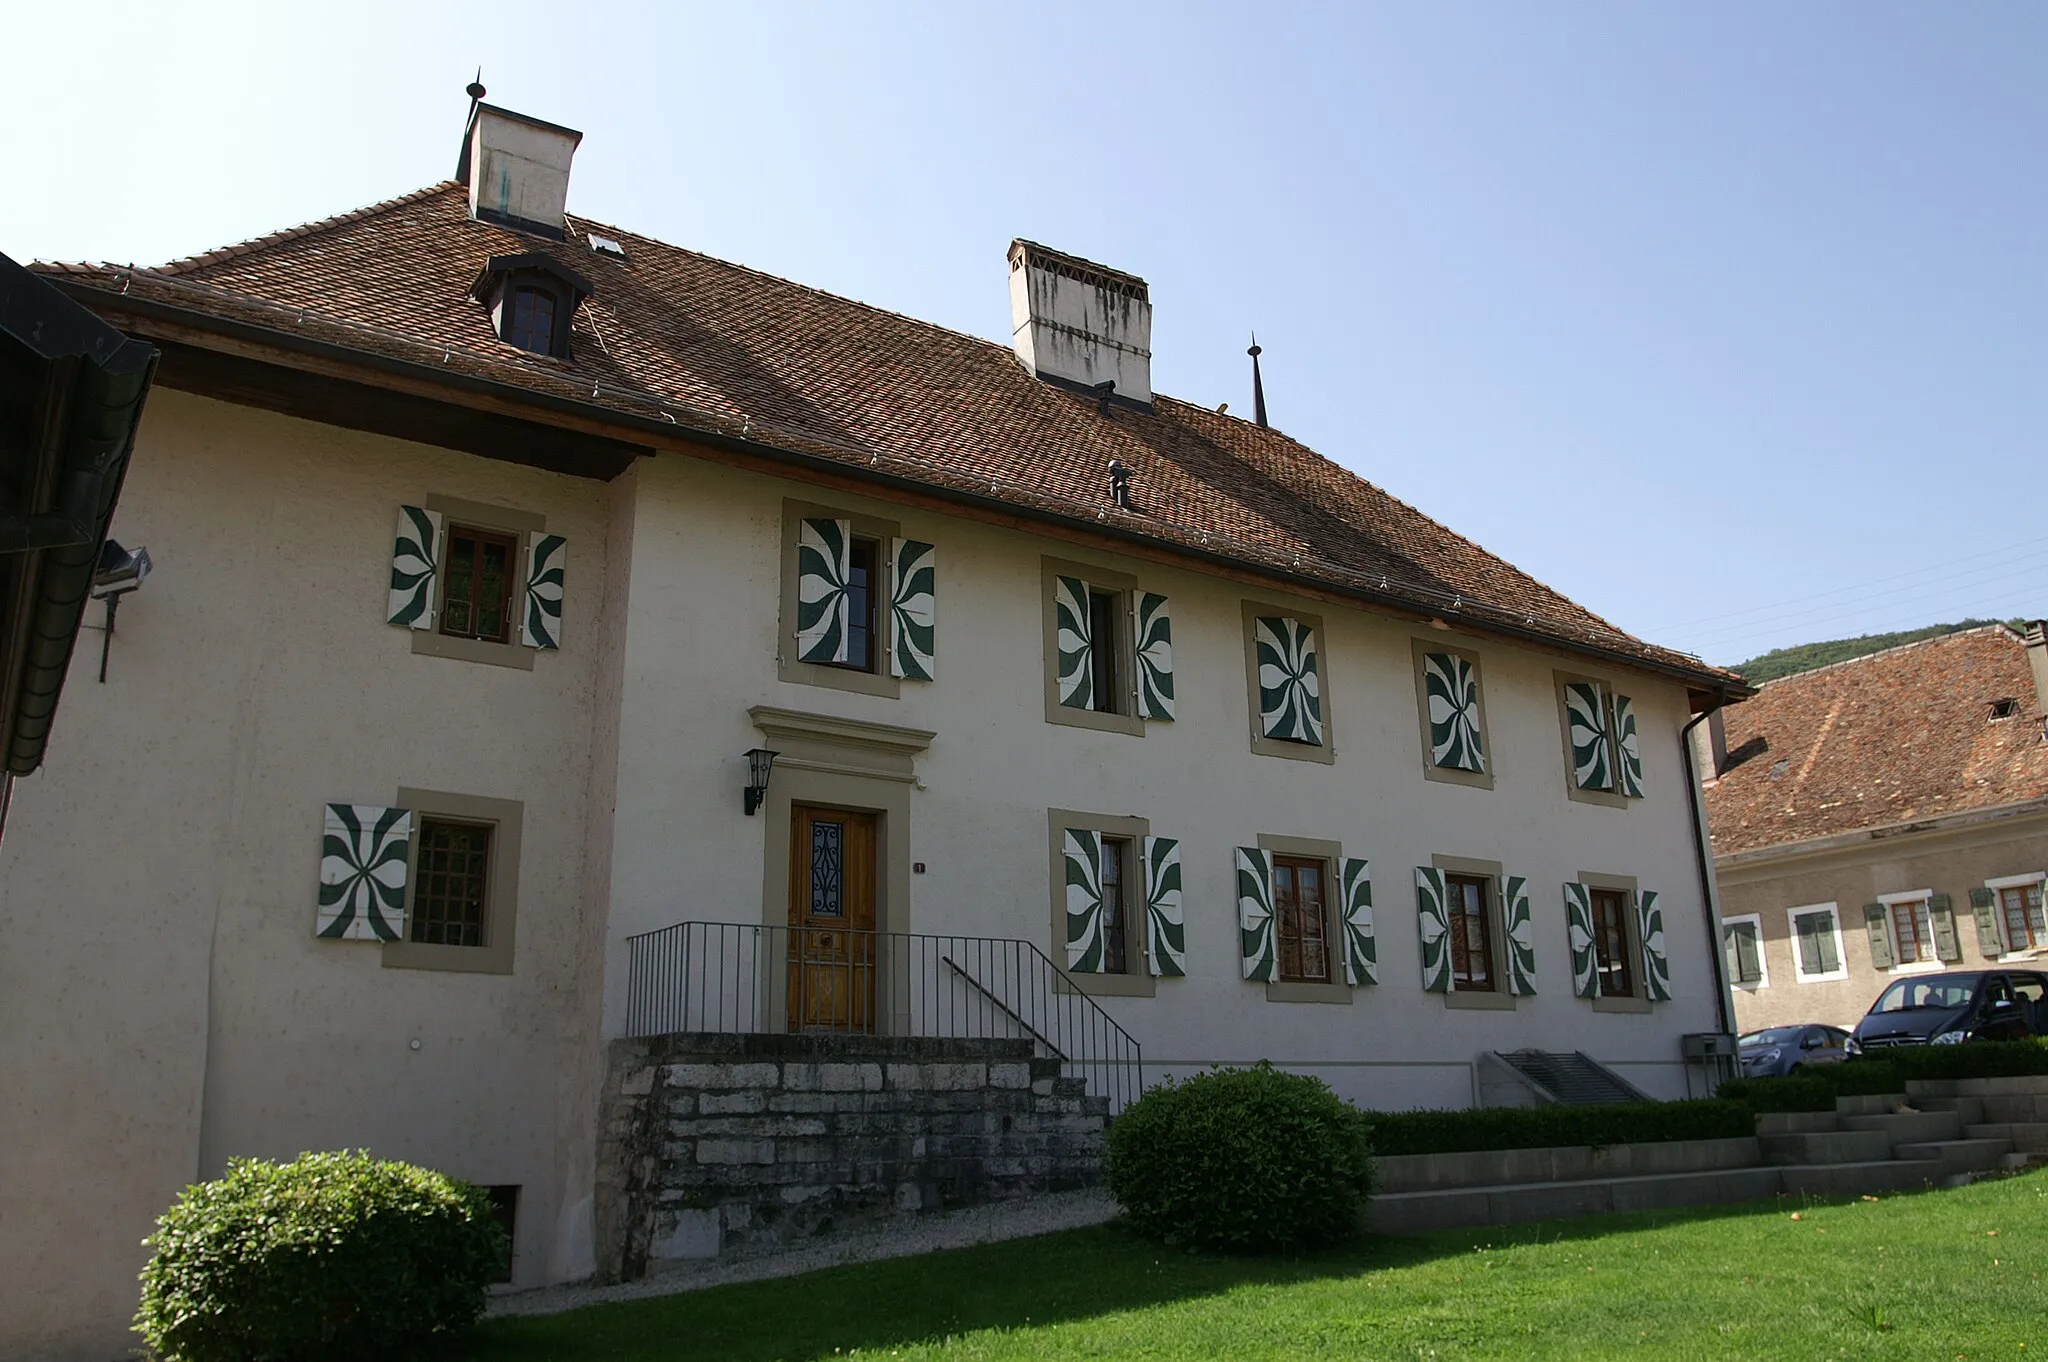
<point>1242,1161</point>
<point>331,1256</point>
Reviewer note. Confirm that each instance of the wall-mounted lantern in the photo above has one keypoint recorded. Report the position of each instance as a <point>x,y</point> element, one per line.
<point>760,761</point>
<point>120,572</point>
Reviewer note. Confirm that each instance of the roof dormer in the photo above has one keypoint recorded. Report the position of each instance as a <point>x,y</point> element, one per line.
<point>531,298</point>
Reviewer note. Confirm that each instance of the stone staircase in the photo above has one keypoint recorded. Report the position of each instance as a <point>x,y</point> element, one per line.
<point>1938,1136</point>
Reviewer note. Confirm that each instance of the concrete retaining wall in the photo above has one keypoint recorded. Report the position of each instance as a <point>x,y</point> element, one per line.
<point>1566,1163</point>
<point>712,1143</point>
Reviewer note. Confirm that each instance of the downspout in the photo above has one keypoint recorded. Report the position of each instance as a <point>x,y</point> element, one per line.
<point>1702,851</point>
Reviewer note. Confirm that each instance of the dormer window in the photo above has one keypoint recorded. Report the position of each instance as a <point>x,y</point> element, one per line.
<point>532,298</point>
<point>531,325</point>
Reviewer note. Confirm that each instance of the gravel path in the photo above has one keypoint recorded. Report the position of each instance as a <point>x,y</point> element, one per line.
<point>897,1237</point>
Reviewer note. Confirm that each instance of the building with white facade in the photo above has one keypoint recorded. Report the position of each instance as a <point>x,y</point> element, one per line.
<point>349,848</point>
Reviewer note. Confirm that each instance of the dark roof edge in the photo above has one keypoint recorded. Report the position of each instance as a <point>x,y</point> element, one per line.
<point>1703,679</point>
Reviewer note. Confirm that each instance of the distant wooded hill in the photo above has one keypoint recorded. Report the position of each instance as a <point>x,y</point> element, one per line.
<point>1806,656</point>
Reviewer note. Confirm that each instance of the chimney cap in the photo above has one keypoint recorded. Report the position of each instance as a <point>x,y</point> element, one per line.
<point>1076,267</point>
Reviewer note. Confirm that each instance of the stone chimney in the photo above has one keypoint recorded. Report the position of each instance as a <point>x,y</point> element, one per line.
<point>1079,325</point>
<point>517,168</point>
<point>2037,661</point>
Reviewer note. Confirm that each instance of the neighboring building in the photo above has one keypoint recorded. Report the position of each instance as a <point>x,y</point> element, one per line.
<point>350,847</point>
<point>1878,817</point>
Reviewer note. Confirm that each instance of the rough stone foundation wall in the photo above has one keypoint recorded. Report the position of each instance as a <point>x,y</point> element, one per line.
<point>714,1142</point>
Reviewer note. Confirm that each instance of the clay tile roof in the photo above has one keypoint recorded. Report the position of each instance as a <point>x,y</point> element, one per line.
<point>713,346</point>
<point>1896,737</point>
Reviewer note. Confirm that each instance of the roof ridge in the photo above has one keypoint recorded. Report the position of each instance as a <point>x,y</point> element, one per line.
<point>237,250</point>
<point>1994,626</point>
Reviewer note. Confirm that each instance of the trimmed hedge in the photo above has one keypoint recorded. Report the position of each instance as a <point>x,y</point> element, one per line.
<point>1972,1059</point>
<point>1446,1132</point>
<point>1816,1086</point>
<point>1241,1161</point>
<point>328,1258</point>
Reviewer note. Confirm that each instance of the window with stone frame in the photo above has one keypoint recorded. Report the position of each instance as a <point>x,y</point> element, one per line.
<point>1612,956</point>
<point>1300,920</point>
<point>1471,940</point>
<point>451,884</point>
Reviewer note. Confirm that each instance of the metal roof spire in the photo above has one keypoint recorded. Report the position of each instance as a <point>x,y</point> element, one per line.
<point>1258,385</point>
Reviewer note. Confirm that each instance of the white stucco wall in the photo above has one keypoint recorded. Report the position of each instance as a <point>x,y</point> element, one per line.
<point>698,659</point>
<point>166,1004</point>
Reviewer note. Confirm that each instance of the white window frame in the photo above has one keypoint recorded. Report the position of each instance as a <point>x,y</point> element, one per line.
<point>1763,962</point>
<point>2039,877</point>
<point>1925,898</point>
<point>1792,916</point>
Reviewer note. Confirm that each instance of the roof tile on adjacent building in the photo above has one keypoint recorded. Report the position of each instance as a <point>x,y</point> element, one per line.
<point>720,347</point>
<point>1895,737</point>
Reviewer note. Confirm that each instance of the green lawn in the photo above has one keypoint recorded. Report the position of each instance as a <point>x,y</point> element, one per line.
<point>1952,1274</point>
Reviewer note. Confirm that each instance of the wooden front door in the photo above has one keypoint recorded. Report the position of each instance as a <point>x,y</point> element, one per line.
<point>832,944</point>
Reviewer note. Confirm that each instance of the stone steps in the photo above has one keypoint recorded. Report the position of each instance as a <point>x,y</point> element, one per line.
<point>1827,1146</point>
<point>2026,1137</point>
<point>1518,1203</point>
<point>1869,1178</point>
<point>1905,1127</point>
<point>1959,1156</point>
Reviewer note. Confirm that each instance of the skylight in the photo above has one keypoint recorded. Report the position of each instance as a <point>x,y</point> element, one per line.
<point>604,245</point>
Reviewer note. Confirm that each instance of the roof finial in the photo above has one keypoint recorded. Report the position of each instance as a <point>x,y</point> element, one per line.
<point>1258,384</point>
<point>475,89</point>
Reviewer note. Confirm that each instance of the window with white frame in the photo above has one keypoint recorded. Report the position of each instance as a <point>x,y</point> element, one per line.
<point>1816,943</point>
<point>1742,938</point>
<point>2017,913</point>
<point>1915,929</point>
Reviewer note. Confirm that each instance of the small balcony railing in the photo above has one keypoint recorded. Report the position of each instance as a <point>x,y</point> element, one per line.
<point>727,977</point>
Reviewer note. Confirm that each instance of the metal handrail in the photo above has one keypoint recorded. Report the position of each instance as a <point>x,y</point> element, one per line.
<point>756,978</point>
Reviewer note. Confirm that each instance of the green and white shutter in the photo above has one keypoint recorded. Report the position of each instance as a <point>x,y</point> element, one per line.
<point>913,607</point>
<point>1255,914</point>
<point>1071,624</point>
<point>1451,688</point>
<point>1290,684</point>
<point>1155,657</point>
<point>363,856</point>
<point>1990,931</point>
<point>824,557</point>
<point>1585,705</point>
<point>1578,927</point>
<point>1521,921</point>
<point>1166,944</point>
<point>416,568</point>
<point>1081,849</point>
<point>540,624</point>
<point>1361,951</point>
<point>1433,924</point>
<point>1628,748</point>
<point>1656,964</point>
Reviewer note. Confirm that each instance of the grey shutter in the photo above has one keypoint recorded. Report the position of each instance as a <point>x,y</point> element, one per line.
<point>364,852</point>
<point>1874,919</point>
<point>1628,748</point>
<point>1521,925</point>
<point>1656,961</point>
<point>1255,914</point>
<point>547,559</point>
<point>1941,914</point>
<point>1155,657</point>
<point>1990,933</point>
<point>1450,689</point>
<point>415,569</point>
<point>1072,643</point>
<point>1165,928</point>
<point>1433,925</point>
<point>1081,850</point>
<point>824,556</point>
<point>1289,678</point>
<point>1585,706</point>
<point>1739,939</point>
<point>1578,927</point>
<point>1361,951</point>
<point>913,610</point>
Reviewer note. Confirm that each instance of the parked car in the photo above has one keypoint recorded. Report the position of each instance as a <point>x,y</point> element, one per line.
<point>1949,1008</point>
<point>1778,1050</point>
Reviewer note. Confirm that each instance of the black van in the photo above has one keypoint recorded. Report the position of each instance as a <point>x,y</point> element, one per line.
<point>1945,1009</point>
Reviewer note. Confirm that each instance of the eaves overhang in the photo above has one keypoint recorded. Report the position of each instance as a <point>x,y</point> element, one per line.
<point>671,426</point>
<point>71,393</point>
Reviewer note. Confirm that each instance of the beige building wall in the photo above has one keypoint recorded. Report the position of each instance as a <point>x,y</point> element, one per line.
<point>166,1005</point>
<point>697,660</point>
<point>1952,861</point>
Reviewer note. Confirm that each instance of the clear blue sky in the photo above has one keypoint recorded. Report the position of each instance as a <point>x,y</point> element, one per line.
<point>1726,320</point>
